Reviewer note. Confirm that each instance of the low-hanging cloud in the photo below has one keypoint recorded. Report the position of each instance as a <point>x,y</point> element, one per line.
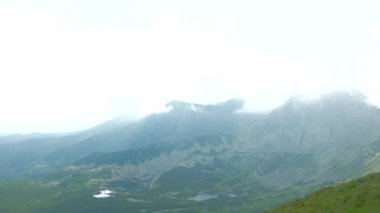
<point>55,70</point>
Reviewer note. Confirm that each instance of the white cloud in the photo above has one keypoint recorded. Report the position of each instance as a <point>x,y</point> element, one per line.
<point>58,76</point>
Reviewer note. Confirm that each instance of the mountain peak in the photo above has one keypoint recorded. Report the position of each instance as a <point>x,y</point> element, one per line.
<point>228,106</point>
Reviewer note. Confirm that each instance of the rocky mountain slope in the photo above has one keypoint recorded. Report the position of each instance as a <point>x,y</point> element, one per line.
<point>170,161</point>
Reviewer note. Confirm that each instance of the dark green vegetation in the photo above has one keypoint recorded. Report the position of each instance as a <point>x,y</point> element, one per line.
<point>249,162</point>
<point>359,195</point>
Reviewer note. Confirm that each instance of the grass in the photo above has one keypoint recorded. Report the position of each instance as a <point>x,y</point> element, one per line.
<point>359,195</point>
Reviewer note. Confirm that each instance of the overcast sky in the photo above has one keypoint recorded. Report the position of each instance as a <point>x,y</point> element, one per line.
<point>68,65</point>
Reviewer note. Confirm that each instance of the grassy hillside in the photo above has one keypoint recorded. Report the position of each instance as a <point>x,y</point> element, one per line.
<point>359,195</point>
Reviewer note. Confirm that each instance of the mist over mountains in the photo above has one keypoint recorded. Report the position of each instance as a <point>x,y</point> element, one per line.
<point>250,161</point>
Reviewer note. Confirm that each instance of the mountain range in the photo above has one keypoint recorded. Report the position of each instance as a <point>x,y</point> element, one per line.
<point>194,158</point>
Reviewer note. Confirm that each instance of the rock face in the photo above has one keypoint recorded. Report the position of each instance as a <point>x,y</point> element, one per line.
<point>195,148</point>
<point>229,106</point>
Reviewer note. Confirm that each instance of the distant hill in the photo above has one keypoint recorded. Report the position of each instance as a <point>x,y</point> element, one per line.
<point>359,195</point>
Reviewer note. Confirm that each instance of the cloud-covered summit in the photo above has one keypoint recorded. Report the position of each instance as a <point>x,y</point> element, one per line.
<point>228,106</point>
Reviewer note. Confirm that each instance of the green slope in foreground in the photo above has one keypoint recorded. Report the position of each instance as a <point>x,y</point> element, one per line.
<point>359,195</point>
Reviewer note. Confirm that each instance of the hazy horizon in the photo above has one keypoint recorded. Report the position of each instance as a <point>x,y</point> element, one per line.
<point>128,118</point>
<point>67,66</point>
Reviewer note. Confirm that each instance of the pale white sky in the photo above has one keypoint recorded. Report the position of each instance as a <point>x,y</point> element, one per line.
<point>68,65</point>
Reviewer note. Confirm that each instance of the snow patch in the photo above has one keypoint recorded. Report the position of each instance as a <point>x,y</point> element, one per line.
<point>104,194</point>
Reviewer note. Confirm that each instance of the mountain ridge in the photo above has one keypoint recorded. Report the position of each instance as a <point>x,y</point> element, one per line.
<point>269,158</point>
